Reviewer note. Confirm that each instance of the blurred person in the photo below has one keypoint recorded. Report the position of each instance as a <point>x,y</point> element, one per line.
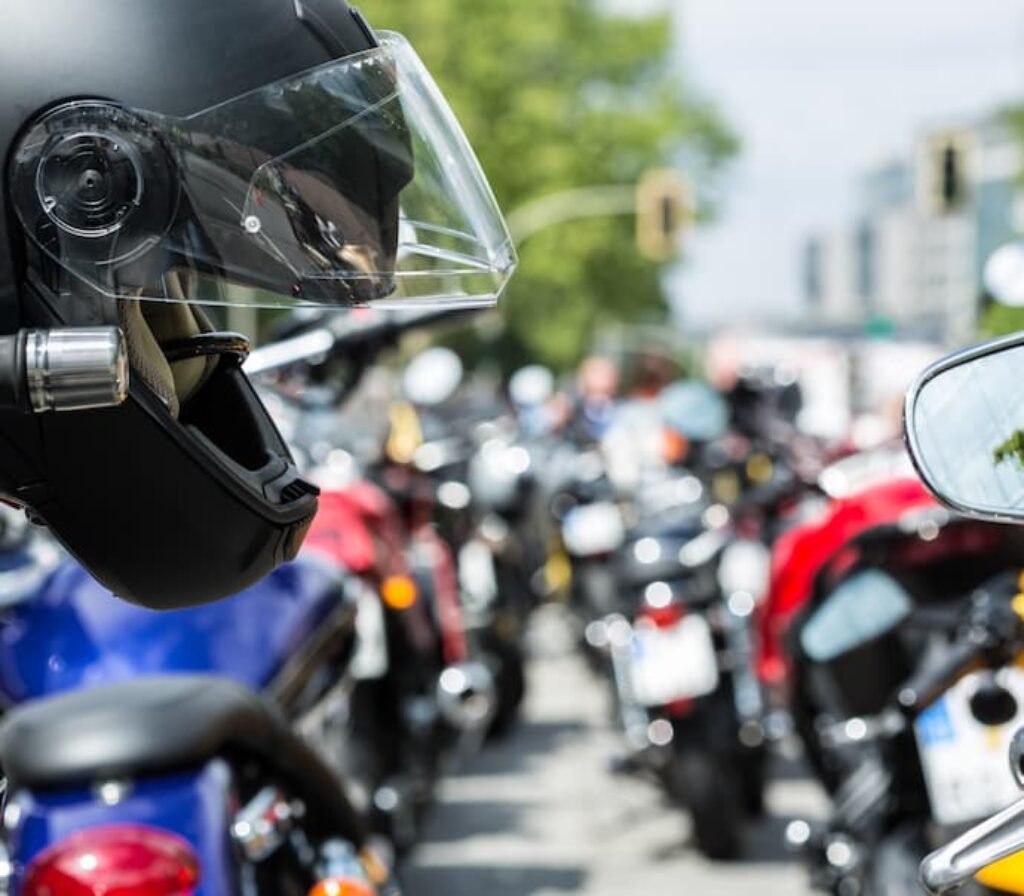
<point>650,371</point>
<point>635,444</point>
<point>597,392</point>
<point>764,400</point>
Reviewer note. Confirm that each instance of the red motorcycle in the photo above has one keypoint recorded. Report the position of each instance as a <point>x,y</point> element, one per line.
<point>876,491</point>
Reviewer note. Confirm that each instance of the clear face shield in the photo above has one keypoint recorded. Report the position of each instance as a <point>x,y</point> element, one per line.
<point>348,185</point>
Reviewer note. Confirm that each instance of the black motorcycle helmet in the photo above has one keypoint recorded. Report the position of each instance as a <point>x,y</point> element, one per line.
<point>163,154</point>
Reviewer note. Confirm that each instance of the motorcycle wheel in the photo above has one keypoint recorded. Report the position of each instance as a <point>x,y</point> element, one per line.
<point>710,789</point>
<point>509,667</point>
<point>752,781</point>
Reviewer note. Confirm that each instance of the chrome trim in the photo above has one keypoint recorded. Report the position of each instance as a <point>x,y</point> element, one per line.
<point>76,369</point>
<point>261,826</point>
<point>861,729</point>
<point>35,362</point>
<point>986,843</point>
<point>1017,758</point>
<point>467,695</point>
<point>956,359</point>
<point>996,838</point>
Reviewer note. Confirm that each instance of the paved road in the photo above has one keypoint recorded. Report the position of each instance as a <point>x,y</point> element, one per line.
<point>542,815</point>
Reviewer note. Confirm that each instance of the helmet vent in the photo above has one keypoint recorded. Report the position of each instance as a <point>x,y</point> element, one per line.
<point>297,489</point>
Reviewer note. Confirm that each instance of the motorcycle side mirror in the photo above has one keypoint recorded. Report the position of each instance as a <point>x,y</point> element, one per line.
<point>964,422</point>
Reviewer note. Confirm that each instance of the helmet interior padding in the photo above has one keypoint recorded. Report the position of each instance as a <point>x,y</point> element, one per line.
<point>148,324</point>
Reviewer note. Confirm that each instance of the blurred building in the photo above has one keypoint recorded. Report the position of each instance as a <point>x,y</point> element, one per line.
<point>912,258</point>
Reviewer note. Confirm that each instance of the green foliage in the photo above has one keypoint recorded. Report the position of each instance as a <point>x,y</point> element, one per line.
<point>1012,448</point>
<point>1001,320</point>
<point>997,319</point>
<point>1013,116</point>
<point>555,95</point>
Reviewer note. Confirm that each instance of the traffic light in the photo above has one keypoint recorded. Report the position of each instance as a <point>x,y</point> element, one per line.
<point>949,175</point>
<point>664,211</point>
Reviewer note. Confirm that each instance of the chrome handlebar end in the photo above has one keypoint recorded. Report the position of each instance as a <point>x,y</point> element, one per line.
<point>985,844</point>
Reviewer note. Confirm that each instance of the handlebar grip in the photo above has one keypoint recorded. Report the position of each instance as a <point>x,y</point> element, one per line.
<point>924,688</point>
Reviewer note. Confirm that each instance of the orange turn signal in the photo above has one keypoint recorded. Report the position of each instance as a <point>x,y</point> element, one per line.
<point>339,886</point>
<point>675,447</point>
<point>399,592</point>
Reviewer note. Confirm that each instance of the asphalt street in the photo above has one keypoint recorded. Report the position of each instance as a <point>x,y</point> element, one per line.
<point>542,813</point>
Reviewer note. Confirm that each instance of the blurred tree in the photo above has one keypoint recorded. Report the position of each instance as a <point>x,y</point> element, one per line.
<point>1000,320</point>
<point>1013,116</point>
<point>997,319</point>
<point>555,95</point>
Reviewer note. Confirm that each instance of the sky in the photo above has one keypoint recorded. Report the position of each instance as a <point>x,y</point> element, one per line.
<point>819,93</point>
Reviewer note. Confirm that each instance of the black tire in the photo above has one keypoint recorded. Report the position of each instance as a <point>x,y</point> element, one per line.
<point>752,776</point>
<point>711,790</point>
<point>509,667</point>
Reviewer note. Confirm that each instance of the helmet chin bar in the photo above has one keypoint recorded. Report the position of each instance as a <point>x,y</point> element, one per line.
<point>63,369</point>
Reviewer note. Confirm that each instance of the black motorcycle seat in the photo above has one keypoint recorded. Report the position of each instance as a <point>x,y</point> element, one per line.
<point>678,526</point>
<point>159,725</point>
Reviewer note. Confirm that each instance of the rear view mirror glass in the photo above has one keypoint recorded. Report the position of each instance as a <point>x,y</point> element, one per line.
<point>965,429</point>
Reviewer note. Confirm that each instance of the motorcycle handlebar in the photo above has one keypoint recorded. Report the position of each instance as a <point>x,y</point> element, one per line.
<point>924,688</point>
<point>331,333</point>
<point>983,845</point>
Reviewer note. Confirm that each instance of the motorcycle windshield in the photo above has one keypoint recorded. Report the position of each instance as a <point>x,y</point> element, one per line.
<point>351,184</point>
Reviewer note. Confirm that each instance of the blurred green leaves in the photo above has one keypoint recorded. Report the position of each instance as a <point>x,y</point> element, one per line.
<point>997,319</point>
<point>556,95</point>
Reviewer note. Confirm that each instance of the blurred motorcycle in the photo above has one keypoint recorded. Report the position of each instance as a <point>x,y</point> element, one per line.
<point>963,431</point>
<point>688,580</point>
<point>896,722</point>
<point>192,751</point>
<point>466,473</point>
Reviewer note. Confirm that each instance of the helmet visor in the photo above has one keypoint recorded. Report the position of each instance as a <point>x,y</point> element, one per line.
<point>351,184</point>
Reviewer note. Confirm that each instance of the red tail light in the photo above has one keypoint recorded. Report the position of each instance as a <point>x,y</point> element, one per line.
<point>661,617</point>
<point>121,860</point>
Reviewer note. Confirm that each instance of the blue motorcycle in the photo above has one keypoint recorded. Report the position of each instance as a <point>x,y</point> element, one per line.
<point>161,753</point>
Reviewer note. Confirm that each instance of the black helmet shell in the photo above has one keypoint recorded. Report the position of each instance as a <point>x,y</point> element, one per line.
<point>165,509</point>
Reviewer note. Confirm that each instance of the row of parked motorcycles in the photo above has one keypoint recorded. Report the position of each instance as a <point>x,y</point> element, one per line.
<point>753,588</point>
<point>287,740</point>
<point>766,589</point>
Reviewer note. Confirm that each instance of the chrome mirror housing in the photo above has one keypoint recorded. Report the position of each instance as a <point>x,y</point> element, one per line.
<point>964,421</point>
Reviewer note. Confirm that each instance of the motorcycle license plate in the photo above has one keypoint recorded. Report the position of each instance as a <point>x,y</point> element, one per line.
<point>964,762</point>
<point>676,663</point>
